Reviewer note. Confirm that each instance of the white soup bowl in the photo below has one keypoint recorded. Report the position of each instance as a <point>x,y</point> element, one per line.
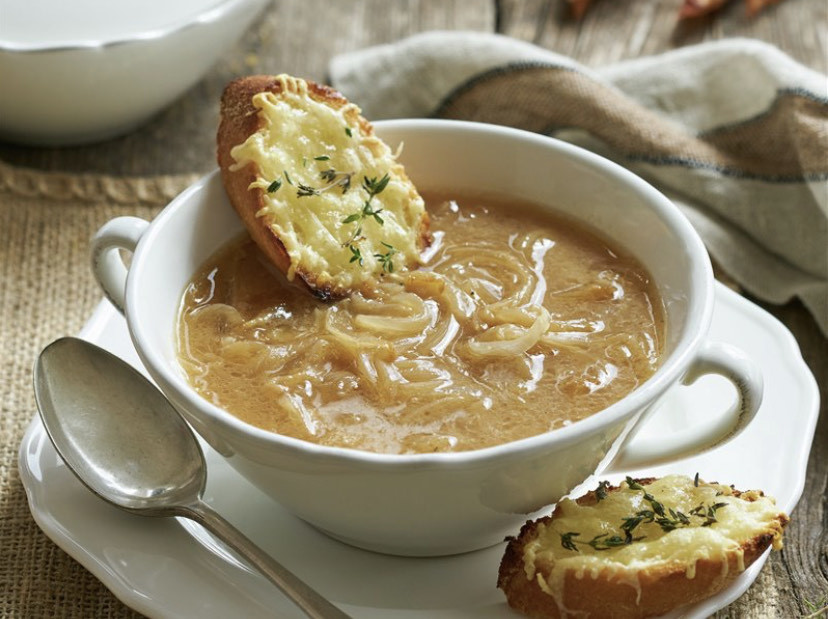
<point>441,503</point>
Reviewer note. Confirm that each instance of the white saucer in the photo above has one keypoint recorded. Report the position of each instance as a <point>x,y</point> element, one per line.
<point>172,568</point>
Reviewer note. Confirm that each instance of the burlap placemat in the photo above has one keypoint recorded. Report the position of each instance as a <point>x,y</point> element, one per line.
<point>46,291</point>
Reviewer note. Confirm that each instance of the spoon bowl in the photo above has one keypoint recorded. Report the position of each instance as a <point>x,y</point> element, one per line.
<point>119,434</point>
<point>122,438</point>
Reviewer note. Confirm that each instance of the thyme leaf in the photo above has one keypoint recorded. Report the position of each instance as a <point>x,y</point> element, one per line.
<point>645,515</point>
<point>274,186</point>
<point>373,187</point>
<point>385,259</point>
<point>601,490</point>
<point>606,541</point>
<point>707,512</point>
<point>658,508</point>
<point>304,191</point>
<point>356,255</point>
<point>334,179</point>
<point>568,542</point>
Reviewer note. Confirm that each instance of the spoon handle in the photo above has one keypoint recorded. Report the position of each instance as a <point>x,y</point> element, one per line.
<point>306,598</point>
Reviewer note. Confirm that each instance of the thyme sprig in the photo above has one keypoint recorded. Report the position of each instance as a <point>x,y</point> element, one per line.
<point>330,174</point>
<point>567,540</point>
<point>373,187</point>
<point>333,178</point>
<point>601,490</point>
<point>356,255</point>
<point>302,191</point>
<point>667,518</point>
<point>385,259</point>
<point>603,541</point>
<point>707,512</point>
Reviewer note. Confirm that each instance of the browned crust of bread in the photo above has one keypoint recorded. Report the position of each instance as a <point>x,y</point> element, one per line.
<point>661,590</point>
<point>239,119</point>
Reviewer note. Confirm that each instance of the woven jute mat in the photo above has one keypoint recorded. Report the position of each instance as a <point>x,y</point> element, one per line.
<point>47,291</point>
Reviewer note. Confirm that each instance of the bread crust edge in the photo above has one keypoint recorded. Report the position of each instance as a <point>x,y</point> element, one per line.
<point>660,590</point>
<point>239,119</point>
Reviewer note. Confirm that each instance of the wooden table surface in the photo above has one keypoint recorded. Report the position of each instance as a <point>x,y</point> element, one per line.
<point>300,36</point>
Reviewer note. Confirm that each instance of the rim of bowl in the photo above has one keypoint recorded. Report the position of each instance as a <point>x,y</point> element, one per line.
<point>699,315</point>
<point>213,12</point>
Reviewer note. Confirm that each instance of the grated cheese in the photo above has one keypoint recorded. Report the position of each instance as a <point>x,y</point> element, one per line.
<point>297,134</point>
<point>547,561</point>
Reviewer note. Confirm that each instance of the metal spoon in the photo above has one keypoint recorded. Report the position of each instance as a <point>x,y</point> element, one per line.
<point>126,443</point>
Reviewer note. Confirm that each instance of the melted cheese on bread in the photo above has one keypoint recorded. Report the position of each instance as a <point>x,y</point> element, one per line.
<point>738,518</point>
<point>312,160</point>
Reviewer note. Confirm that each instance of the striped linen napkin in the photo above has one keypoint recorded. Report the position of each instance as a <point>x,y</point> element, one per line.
<point>734,132</point>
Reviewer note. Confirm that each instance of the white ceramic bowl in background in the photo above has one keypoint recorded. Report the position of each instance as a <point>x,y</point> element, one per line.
<point>429,504</point>
<point>86,70</point>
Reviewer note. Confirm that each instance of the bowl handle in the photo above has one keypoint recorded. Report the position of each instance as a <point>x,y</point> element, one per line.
<point>107,264</point>
<point>714,358</point>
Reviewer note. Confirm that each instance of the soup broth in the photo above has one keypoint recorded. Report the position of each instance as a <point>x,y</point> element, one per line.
<point>518,323</point>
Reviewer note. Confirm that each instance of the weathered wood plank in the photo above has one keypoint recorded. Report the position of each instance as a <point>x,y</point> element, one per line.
<point>796,580</point>
<point>614,30</point>
<point>522,19</point>
<point>330,28</point>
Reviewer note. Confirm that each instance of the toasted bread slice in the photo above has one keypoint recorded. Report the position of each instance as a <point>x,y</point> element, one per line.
<point>320,194</point>
<point>638,550</point>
